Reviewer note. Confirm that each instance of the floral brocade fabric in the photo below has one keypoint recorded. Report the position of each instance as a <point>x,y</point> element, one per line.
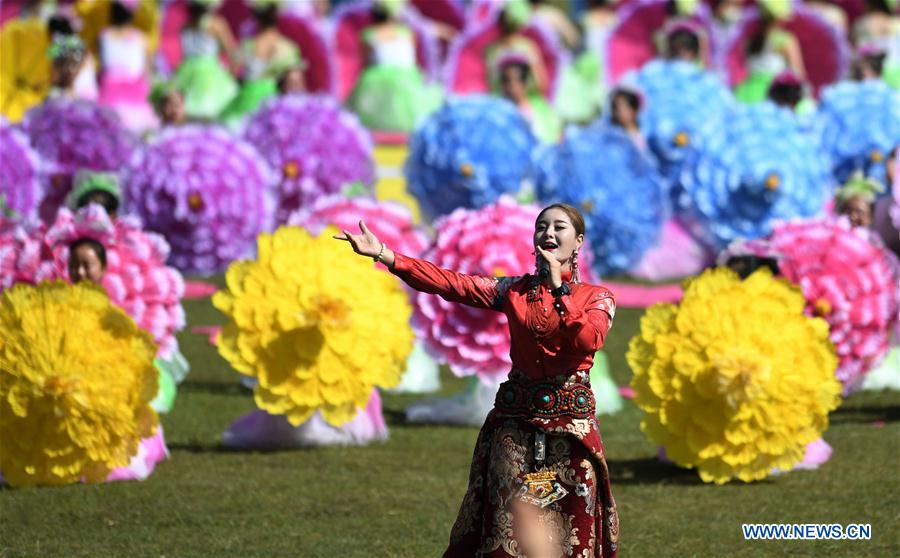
<point>492,522</point>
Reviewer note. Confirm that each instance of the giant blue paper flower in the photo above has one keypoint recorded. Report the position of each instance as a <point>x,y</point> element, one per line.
<point>858,123</point>
<point>618,189</point>
<point>678,98</point>
<point>469,153</point>
<point>751,169</point>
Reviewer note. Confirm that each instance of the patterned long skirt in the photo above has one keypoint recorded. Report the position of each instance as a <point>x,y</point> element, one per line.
<point>497,519</point>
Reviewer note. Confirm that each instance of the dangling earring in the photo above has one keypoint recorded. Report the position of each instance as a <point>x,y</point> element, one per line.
<point>576,278</point>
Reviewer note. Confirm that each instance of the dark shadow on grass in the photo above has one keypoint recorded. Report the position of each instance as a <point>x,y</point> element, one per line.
<point>394,417</point>
<point>650,470</point>
<point>197,447</point>
<point>215,388</point>
<point>866,413</point>
<point>217,280</point>
<point>218,448</point>
<point>397,418</point>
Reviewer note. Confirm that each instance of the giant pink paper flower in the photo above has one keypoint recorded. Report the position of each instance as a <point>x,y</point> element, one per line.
<point>849,279</point>
<point>391,222</point>
<point>22,251</point>
<point>494,240</point>
<point>136,276</point>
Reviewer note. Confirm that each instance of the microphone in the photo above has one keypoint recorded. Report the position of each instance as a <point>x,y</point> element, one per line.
<point>543,267</point>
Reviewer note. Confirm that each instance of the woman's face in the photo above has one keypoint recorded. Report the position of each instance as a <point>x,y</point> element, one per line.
<point>865,69</point>
<point>555,233</point>
<point>85,265</point>
<point>65,71</point>
<point>729,11</point>
<point>859,211</point>
<point>891,164</point>
<point>293,82</point>
<point>622,113</point>
<point>98,198</point>
<point>172,110</point>
<point>511,82</point>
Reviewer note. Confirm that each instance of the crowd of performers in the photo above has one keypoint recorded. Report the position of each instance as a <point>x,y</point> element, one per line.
<point>673,139</point>
<point>392,62</point>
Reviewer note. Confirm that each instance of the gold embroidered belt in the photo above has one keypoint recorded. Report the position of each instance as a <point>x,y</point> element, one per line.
<point>545,398</point>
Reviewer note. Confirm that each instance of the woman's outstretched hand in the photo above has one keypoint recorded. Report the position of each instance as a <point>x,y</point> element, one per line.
<point>366,244</point>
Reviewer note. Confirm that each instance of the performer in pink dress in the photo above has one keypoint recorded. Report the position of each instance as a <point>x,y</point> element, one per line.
<point>125,69</point>
<point>539,480</point>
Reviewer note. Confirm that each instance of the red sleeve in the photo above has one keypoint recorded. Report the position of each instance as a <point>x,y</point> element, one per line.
<point>471,290</point>
<point>587,326</point>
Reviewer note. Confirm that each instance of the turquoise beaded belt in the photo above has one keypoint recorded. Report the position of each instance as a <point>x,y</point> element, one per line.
<point>545,399</point>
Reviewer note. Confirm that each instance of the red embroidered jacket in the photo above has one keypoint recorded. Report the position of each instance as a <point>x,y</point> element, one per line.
<point>548,337</point>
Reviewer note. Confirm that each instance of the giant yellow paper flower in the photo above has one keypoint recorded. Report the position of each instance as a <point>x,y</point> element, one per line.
<point>734,380</point>
<point>24,66</point>
<point>318,325</point>
<point>76,379</point>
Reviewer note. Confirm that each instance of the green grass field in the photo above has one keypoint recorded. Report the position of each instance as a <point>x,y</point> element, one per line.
<point>400,498</point>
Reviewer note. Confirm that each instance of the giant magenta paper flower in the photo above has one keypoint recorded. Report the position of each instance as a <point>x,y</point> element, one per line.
<point>849,279</point>
<point>316,338</point>
<point>76,379</point>
<point>70,135</point>
<point>20,185</point>
<point>318,147</point>
<point>208,192</point>
<point>735,380</point>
